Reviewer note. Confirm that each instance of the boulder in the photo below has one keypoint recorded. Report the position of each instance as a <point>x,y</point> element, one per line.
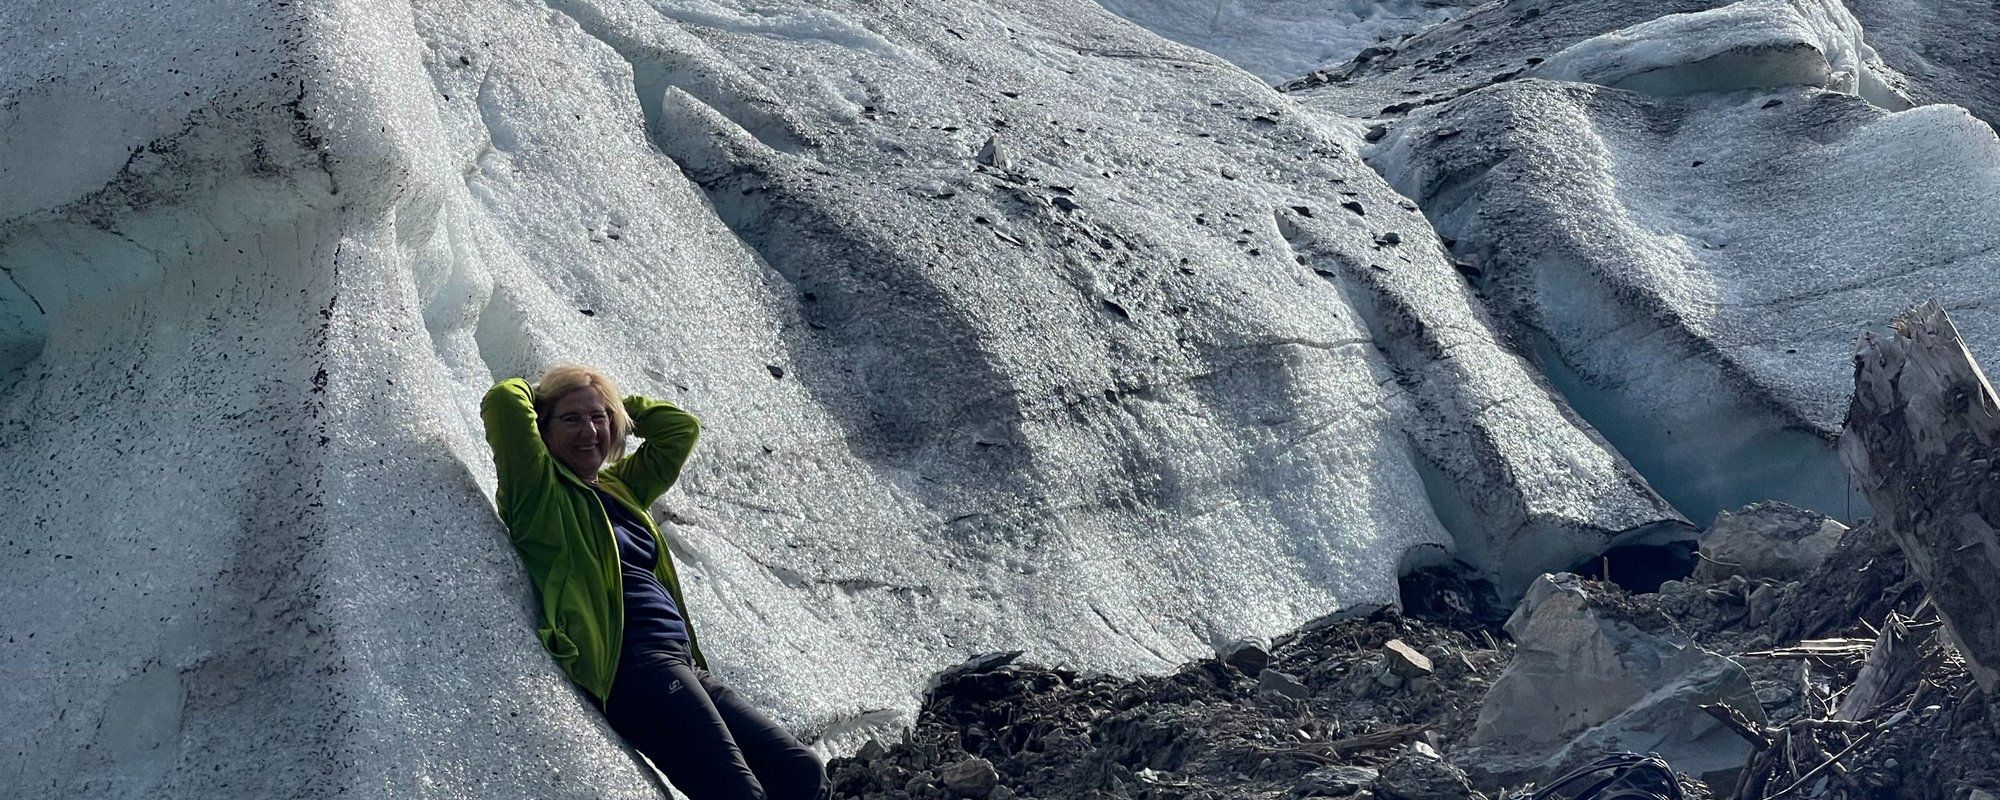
<point>1248,655</point>
<point>1767,540</point>
<point>1272,681</point>
<point>1920,440</point>
<point>974,777</point>
<point>1585,683</point>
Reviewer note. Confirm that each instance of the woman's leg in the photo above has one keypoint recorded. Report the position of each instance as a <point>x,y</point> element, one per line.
<point>659,704</point>
<point>787,769</point>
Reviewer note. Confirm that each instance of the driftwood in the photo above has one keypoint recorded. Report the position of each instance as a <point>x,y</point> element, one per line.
<point>1902,652</point>
<point>1923,434</point>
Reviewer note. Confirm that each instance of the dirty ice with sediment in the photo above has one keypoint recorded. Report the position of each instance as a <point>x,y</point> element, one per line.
<point>1012,325</point>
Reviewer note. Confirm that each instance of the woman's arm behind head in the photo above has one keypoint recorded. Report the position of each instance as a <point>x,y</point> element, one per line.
<point>669,435</point>
<point>520,459</point>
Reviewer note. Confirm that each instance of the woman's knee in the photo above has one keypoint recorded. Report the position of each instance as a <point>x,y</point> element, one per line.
<point>799,776</point>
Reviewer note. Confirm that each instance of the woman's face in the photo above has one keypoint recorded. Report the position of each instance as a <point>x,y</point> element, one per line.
<point>578,432</point>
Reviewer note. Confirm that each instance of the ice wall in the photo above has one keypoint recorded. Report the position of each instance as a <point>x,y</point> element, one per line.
<point>1691,268</point>
<point>1012,325</point>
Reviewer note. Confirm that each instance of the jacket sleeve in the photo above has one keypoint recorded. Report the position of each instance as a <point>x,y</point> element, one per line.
<point>520,459</point>
<point>669,435</point>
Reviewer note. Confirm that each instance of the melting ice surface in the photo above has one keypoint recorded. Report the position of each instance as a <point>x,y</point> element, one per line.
<point>1281,40</point>
<point>1012,325</point>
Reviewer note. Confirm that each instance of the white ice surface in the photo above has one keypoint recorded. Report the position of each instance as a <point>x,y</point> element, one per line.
<point>1748,45</point>
<point>1138,385</point>
<point>1487,44</point>
<point>1693,270</point>
<point>1278,40</point>
<point>1938,51</point>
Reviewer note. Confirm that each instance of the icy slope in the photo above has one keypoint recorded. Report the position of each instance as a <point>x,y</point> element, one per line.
<point>1283,39</point>
<point>1939,51</point>
<point>1747,45</point>
<point>1492,43</point>
<point>1691,269</point>
<point>1012,325</point>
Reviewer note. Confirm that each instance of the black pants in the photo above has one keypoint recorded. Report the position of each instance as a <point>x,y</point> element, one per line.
<point>708,742</point>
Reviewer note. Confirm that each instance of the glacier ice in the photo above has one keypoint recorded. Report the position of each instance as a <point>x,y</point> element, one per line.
<point>1937,51</point>
<point>1742,190</point>
<point>1692,270</point>
<point>1168,366</point>
<point>1488,44</point>
<point>1278,40</point>
<point>1747,45</point>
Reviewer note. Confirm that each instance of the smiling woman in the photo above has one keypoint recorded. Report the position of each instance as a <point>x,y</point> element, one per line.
<point>612,611</point>
<point>582,421</point>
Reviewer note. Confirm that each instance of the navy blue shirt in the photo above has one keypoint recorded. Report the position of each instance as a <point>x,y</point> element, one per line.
<point>651,618</point>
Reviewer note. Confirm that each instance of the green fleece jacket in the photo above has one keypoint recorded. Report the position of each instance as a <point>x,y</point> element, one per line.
<point>564,535</point>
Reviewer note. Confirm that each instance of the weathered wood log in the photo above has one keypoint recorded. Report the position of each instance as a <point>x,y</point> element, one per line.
<point>1902,652</point>
<point>1922,439</point>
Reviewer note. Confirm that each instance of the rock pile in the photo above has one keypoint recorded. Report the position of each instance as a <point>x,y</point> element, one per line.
<point>1840,683</point>
<point>1335,710</point>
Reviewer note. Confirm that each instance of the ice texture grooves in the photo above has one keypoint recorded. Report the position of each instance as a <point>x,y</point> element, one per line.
<point>1278,40</point>
<point>1938,51</point>
<point>1011,325</point>
<point>1747,45</point>
<point>1693,270</point>
<point>1488,44</point>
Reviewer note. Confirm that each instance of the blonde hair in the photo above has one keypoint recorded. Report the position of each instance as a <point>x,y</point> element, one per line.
<point>562,379</point>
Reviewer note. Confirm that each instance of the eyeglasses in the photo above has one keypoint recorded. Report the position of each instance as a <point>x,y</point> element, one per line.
<point>578,420</point>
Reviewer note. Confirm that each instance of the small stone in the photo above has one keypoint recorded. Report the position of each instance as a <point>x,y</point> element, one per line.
<point>871,750</point>
<point>991,155</point>
<point>1775,695</point>
<point>1386,676</point>
<point>1338,780</point>
<point>1065,204</point>
<point>1272,681</point>
<point>1421,774</point>
<point>1404,660</point>
<point>972,778</point>
<point>1375,133</point>
<point>1762,603</point>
